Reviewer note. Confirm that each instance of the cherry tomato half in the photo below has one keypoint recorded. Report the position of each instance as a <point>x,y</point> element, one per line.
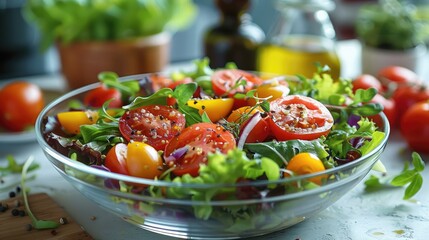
<point>271,89</point>
<point>242,115</point>
<point>225,80</point>
<point>299,117</point>
<point>154,125</point>
<point>21,103</point>
<point>98,96</point>
<point>190,148</point>
<point>415,127</point>
<point>115,159</point>
<point>307,163</point>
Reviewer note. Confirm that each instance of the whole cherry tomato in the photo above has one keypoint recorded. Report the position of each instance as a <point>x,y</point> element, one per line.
<point>98,96</point>
<point>415,127</point>
<point>389,109</point>
<point>299,117</point>
<point>366,81</point>
<point>20,104</point>
<point>393,77</point>
<point>406,96</point>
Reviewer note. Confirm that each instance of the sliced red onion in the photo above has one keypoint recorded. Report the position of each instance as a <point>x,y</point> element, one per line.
<point>177,154</point>
<point>108,182</point>
<point>353,120</point>
<point>101,167</point>
<point>248,127</point>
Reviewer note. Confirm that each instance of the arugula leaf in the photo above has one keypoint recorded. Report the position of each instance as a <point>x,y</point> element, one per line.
<point>282,152</point>
<point>412,177</point>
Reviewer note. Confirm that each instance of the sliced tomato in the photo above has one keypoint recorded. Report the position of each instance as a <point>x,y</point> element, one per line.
<point>116,159</point>
<point>260,130</point>
<point>154,125</point>
<point>299,117</point>
<point>186,152</point>
<point>271,90</point>
<point>224,81</point>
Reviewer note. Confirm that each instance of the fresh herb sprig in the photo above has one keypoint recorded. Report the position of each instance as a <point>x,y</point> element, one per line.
<point>412,177</point>
<point>37,224</point>
<point>14,167</point>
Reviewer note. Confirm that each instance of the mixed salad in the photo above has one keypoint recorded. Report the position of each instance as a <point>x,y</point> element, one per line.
<point>215,126</point>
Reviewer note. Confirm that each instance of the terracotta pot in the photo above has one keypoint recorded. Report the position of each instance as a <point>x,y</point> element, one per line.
<point>373,59</point>
<point>81,62</point>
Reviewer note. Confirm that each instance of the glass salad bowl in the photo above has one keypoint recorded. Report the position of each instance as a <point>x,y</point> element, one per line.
<point>199,210</point>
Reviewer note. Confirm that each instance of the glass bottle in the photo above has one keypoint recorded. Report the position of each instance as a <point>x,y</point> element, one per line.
<point>235,38</point>
<point>302,38</point>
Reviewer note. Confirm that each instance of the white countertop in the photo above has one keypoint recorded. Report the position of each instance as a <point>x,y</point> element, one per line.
<point>358,215</point>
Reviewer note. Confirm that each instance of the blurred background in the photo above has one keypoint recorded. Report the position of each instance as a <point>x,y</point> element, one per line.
<point>21,55</point>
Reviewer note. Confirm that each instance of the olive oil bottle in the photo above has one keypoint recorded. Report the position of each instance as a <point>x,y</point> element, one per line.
<point>302,39</point>
<point>235,38</point>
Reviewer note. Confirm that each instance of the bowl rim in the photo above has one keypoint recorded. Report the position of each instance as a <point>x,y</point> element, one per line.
<point>161,183</point>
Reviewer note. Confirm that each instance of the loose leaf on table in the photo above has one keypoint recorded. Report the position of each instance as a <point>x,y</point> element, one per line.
<point>412,177</point>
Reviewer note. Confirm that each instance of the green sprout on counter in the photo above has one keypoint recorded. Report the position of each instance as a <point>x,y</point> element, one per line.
<point>37,224</point>
<point>412,177</point>
<point>14,167</point>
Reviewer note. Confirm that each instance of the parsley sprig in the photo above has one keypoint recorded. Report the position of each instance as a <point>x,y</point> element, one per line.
<point>410,176</point>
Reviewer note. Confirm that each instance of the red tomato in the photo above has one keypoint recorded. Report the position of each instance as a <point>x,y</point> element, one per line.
<point>389,108</point>
<point>160,81</point>
<point>242,115</point>
<point>115,159</point>
<point>174,84</point>
<point>21,103</point>
<point>366,81</point>
<point>154,125</point>
<point>224,80</point>
<point>190,149</point>
<point>407,96</point>
<point>299,117</point>
<point>415,127</point>
<point>98,96</point>
<point>396,76</point>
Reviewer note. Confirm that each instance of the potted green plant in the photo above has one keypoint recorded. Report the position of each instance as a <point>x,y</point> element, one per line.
<point>124,36</point>
<point>392,33</point>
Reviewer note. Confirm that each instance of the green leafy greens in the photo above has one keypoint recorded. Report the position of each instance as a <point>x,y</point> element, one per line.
<point>221,169</point>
